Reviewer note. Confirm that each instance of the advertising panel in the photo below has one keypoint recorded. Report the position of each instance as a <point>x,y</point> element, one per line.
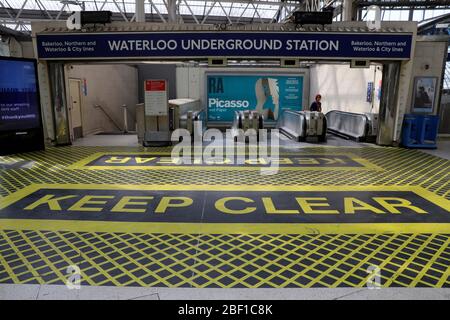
<point>424,92</point>
<point>268,94</point>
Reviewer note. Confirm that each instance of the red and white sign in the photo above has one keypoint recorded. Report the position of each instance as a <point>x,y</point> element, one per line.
<point>155,97</point>
<point>155,85</point>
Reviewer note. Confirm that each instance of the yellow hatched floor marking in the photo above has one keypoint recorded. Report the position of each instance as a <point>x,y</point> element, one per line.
<point>92,262</point>
<point>395,253</point>
<point>228,273</point>
<point>247,263</point>
<point>43,257</point>
<point>430,263</point>
<point>186,280</point>
<point>5,174</point>
<point>17,274</point>
<point>141,266</point>
<point>8,268</point>
<point>425,268</point>
<point>363,261</point>
<point>288,266</point>
<point>118,266</point>
<point>307,268</point>
<point>406,263</point>
<point>242,266</point>
<point>404,169</point>
<point>404,241</point>
<point>22,179</point>
<point>216,258</point>
<point>445,177</point>
<point>51,166</point>
<point>418,171</point>
<point>327,256</point>
<point>36,275</point>
<point>445,164</point>
<point>311,267</point>
<point>444,185</point>
<point>447,271</point>
<point>61,254</point>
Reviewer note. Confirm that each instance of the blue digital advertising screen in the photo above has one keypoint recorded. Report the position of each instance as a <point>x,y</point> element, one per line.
<point>268,94</point>
<point>19,100</point>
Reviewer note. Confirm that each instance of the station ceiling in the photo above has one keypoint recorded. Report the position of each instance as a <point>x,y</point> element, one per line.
<point>17,14</point>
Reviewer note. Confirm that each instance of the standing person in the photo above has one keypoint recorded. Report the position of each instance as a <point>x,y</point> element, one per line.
<point>316,105</point>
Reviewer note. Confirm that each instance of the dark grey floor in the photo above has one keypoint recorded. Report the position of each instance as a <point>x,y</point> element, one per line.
<point>443,149</point>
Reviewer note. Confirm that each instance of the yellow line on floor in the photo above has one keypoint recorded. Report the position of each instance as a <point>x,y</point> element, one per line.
<point>222,228</point>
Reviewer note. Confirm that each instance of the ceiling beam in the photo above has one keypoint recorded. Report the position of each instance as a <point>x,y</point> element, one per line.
<point>30,15</point>
<point>428,4</point>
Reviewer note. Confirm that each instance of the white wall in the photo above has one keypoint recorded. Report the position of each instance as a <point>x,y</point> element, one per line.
<point>189,82</point>
<point>343,88</point>
<point>110,86</point>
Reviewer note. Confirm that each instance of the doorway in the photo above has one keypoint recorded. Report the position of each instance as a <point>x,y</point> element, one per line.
<point>75,108</point>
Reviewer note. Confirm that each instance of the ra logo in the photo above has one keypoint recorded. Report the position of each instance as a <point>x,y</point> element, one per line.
<point>215,85</point>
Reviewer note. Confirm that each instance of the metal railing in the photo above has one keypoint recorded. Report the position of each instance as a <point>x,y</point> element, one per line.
<point>300,125</point>
<point>355,126</point>
<point>108,116</point>
<point>292,124</point>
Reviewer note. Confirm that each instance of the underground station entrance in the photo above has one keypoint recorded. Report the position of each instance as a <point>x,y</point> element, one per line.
<point>334,211</point>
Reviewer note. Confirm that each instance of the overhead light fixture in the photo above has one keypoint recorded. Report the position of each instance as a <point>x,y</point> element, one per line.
<point>309,17</point>
<point>82,18</point>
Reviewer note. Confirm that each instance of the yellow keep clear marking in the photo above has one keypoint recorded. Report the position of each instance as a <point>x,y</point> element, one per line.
<point>223,228</point>
<point>84,163</point>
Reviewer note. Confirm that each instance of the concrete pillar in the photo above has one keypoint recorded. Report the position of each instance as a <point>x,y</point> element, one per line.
<point>388,104</point>
<point>347,10</point>
<point>140,10</point>
<point>172,11</point>
<point>411,14</point>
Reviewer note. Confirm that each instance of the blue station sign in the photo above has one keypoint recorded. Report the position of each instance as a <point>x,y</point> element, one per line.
<point>331,45</point>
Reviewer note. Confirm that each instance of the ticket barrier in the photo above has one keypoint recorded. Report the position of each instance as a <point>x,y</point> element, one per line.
<point>187,114</point>
<point>248,122</point>
<point>194,122</point>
